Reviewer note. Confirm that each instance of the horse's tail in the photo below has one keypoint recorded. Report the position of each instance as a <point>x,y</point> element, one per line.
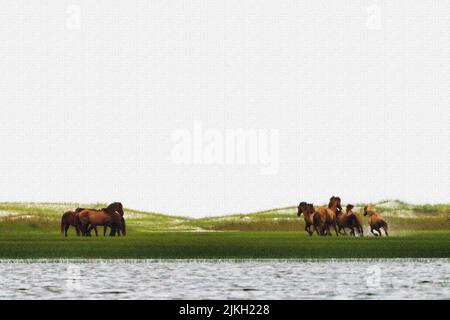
<point>63,223</point>
<point>316,219</point>
<point>357,224</point>
<point>318,223</point>
<point>79,224</point>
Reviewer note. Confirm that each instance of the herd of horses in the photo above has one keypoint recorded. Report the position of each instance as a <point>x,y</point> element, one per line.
<point>86,220</point>
<point>322,220</point>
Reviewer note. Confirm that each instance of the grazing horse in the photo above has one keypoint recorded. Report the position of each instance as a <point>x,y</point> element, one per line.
<point>376,222</point>
<point>112,216</point>
<point>351,220</point>
<point>308,216</point>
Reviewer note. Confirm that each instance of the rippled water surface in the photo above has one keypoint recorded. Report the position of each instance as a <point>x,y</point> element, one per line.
<point>248,279</point>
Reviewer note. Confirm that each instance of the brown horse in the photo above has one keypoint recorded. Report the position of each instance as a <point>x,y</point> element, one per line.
<point>376,222</point>
<point>68,219</point>
<point>308,215</point>
<point>351,220</point>
<point>118,207</point>
<point>111,216</point>
<point>326,217</point>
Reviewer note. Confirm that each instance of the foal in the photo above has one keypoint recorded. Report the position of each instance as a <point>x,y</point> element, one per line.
<point>376,222</point>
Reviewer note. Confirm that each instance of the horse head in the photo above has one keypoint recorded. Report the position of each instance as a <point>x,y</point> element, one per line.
<point>367,209</point>
<point>302,208</point>
<point>310,209</point>
<point>115,207</point>
<point>335,202</point>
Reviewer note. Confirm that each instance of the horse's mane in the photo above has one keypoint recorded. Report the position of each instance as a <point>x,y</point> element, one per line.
<point>113,207</point>
<point>82,209</point>
<point>369,209</point>
<point>333,199</point>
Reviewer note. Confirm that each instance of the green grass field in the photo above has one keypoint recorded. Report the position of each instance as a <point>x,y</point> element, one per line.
<point>31,230</point>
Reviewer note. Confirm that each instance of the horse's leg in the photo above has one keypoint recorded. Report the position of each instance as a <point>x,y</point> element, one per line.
<point>83,228</point>
<point>385,231</point>
<point>317,230</point>
<point>89,229</point>
<point>321,230</point>
<point>308,229</point>
<point>66,228</point>
<point>112,233</point>
<point>372,230</point>
<point>86,230</point>
<point>77,230</point>
<point>104,230</point>
<point>93,227</point>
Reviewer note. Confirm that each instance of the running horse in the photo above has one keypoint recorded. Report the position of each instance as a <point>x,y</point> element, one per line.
<point>350,219</point>
<point>308,215</point>
<point>326,217</point>
<point>376,222</point>
<point>111,216</point>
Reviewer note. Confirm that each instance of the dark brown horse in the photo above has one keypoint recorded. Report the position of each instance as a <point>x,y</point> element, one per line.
<point>111,216</point>
<point>308,215</point>
<point>118,207</point>
<point>351,220</point>
<point>68,219</point>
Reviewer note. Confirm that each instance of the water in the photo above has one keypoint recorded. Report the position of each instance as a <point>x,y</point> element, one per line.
<point>247,279</point>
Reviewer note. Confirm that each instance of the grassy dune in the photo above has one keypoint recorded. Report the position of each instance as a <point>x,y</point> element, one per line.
<point>31,230</point>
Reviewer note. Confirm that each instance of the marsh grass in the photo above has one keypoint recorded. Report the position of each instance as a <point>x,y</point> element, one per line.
<point>225,245</point>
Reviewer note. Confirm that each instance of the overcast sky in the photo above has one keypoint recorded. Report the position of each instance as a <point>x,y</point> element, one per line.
<point>95,95</point>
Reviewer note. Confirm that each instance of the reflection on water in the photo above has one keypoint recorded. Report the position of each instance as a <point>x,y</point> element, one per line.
<point>227,279</point>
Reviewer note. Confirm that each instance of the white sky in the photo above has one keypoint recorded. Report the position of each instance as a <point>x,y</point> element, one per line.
<point>87,115</point>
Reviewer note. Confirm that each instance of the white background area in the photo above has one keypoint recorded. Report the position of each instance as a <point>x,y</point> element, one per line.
<point>87,114</point>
